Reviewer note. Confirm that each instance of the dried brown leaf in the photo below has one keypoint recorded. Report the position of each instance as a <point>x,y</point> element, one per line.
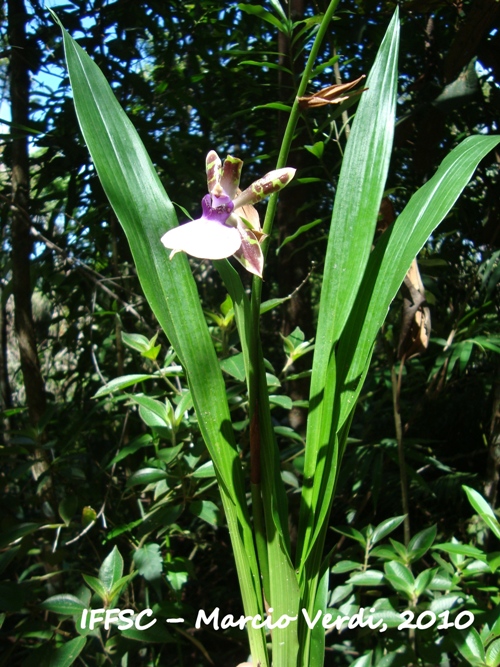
<point>335,94</point>
<point>416,324</point>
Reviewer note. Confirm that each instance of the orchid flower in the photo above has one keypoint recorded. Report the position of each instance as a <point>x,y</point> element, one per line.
<point>230,223</point>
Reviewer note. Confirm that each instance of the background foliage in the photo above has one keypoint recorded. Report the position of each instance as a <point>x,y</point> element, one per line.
<point>124,474</point>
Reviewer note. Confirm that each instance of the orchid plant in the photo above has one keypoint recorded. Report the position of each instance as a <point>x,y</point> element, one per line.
<point>359,283</point>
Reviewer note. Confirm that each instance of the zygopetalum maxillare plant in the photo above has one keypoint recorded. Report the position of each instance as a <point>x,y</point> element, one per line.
<point>358,285</point>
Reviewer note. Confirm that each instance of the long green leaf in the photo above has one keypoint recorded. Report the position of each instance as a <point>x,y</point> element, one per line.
<point>145,213</point>
<point>357,202</point>
<point>391,259</point>
<point>359,192</point>
<point>317,636</point>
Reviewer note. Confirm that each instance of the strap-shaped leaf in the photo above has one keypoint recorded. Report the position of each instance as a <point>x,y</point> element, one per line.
<point>357,202</point>
<point>391,259</point>
<point>145,212</point>
<point>360,189</point>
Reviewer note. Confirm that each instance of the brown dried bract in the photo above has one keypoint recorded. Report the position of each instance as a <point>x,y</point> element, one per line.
<point>331,95</point>
<point>416,324</point>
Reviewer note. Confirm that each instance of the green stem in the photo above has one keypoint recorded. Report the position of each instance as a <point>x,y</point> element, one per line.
<point>268,497</point>
<point>273,200</point>
<point>294,114</point>
<point>257,386</point>
<point>286,145</point>
<point>396,394</point>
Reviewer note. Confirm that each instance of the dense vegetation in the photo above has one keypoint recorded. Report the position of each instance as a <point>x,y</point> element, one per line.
<point>108,490</point>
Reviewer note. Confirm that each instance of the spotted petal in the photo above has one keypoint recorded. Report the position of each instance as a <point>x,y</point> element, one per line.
<point>231,172</point>
<point>206,239</point>
<point>213,168</point>
<point>250,254</point>
<point>271,182</point>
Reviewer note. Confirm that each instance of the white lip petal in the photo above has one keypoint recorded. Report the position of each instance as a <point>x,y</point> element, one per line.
<point>205,239</point>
